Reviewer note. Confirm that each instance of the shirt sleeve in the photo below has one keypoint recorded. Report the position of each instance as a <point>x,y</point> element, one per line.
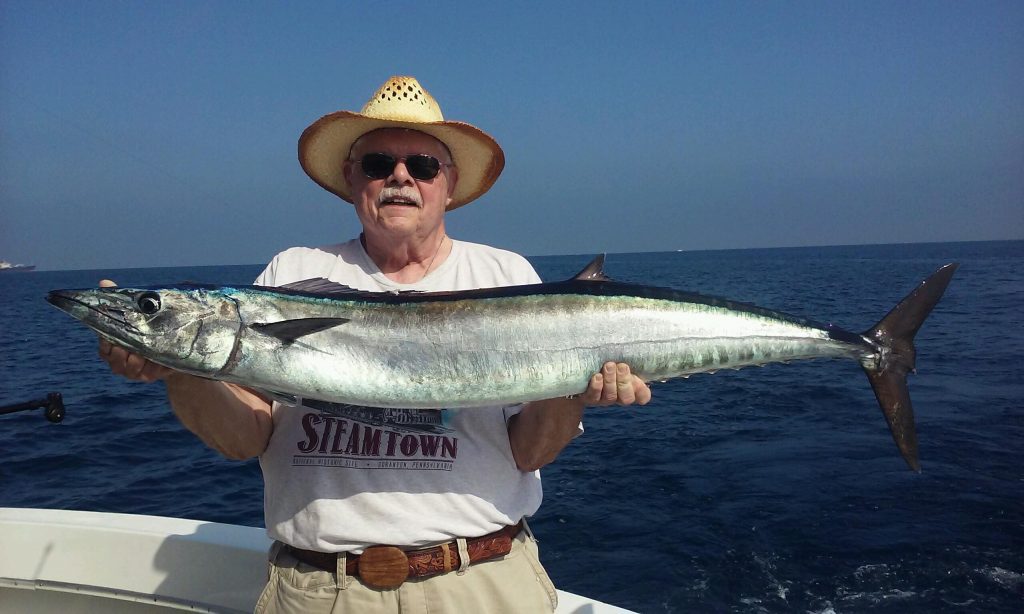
<point>523,273</point>
<point>266,278</point>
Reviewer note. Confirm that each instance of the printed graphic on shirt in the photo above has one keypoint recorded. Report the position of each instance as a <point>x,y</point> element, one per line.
<point>356,437</point>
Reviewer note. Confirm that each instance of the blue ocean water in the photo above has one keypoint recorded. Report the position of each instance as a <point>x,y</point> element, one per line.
<point>771,489</point>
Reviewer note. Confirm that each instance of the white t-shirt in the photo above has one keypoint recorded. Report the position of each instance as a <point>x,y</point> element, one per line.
<point>340,477</point>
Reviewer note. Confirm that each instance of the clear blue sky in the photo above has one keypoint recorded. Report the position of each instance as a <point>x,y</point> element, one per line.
<point>164,133</point>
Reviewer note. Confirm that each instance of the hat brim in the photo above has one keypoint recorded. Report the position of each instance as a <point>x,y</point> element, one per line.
<point>325,144</point>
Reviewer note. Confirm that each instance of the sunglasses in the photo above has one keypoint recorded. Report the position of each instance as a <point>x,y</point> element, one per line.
<point>420,166</point>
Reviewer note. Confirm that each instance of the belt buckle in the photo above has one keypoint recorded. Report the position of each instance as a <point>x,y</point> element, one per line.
<point>383,567</point>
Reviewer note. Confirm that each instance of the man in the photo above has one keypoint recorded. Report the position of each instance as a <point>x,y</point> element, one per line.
<point>390,510</point>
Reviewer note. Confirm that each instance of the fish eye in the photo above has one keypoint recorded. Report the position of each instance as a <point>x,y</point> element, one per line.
<point>148,302</point>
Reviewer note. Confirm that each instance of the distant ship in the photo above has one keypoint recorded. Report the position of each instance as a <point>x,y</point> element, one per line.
<point>6,267</point>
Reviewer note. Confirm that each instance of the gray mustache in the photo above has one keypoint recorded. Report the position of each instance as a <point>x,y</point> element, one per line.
<point>399,193</point>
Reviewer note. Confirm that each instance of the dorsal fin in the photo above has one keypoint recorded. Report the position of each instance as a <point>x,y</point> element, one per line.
<point>318,285</point>
<point>593,271</point>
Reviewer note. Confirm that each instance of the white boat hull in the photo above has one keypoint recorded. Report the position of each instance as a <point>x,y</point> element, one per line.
<point>64,561</point>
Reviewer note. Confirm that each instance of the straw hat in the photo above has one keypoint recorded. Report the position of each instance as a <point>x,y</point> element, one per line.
<point>400,103</point>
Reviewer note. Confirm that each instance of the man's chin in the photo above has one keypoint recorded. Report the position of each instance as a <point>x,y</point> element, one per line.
<point>398,211</point>
<point>405,218</point>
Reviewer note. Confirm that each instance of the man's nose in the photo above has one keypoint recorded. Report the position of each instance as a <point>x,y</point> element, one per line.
<point>400,175</point>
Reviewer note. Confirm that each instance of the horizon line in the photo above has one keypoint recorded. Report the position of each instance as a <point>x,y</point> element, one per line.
<point>581,254</point>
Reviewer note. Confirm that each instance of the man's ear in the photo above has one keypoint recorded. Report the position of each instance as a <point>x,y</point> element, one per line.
<point>453,180</point>
<point>346,172</point>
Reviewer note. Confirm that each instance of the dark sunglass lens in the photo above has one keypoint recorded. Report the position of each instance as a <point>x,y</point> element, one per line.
<point>378,165</point>
<point>422,167</point>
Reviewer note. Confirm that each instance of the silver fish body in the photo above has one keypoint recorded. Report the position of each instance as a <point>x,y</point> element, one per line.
<point>483,350</point>
<point>321,341</point>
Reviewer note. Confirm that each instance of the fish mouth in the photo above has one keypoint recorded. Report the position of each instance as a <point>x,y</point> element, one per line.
<point>68,302</point>
<point>62,301</point>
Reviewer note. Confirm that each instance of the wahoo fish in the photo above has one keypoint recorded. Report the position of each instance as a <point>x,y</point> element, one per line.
<point>317,339</point>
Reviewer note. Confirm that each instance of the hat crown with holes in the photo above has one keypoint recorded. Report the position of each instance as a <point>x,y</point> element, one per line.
<point>400,103</point>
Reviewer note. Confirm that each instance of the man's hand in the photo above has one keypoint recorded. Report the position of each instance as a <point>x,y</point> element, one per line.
<point>615,385</point>
<point>129,364</point>
<point>542,429</point>
<point>231,419</point>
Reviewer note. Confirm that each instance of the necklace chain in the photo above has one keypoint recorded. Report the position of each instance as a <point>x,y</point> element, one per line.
<point>430,264</point>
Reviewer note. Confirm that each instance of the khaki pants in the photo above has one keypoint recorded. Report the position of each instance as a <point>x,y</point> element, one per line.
<point>514,583</point>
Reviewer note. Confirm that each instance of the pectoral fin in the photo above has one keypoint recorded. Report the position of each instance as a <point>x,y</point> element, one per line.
<point>287,331</point>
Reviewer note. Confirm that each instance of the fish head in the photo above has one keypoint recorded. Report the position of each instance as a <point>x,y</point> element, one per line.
<point>189,328</point>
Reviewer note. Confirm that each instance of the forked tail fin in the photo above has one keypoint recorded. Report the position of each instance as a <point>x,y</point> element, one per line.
<point>895,336</point>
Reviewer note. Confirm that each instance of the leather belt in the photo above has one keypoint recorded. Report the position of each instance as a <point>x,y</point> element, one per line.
<point>387,567</point>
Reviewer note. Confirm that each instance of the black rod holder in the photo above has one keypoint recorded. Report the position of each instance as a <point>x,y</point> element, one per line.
<point>53,403</point>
